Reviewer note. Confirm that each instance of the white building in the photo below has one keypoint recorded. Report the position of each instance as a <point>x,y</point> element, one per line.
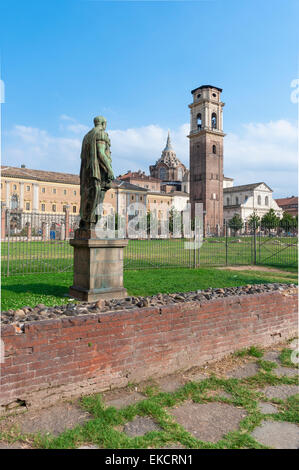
<point>179,200</point>
<point>246,199</point>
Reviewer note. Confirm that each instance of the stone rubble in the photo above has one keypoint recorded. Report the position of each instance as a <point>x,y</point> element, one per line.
<point>42,312</point>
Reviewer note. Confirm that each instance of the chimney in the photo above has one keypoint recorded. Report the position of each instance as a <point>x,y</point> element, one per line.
<point>23,166</point>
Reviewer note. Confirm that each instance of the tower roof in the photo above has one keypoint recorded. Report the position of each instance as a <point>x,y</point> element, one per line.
<point>206,86</point>
<point>168,144</point>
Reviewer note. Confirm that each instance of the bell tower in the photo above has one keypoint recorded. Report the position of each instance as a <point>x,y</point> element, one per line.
<point>206,155</point>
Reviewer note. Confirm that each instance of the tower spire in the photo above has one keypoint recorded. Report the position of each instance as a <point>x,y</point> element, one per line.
<point>168,143</point>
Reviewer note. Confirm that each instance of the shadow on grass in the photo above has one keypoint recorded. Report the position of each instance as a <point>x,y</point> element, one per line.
<point>39,289</point>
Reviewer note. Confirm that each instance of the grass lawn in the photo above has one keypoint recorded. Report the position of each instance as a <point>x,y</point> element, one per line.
<point>53,256</point>
<point>49,289</point>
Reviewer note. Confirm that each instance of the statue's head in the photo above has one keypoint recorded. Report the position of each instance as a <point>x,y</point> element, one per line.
<point>100,121</point>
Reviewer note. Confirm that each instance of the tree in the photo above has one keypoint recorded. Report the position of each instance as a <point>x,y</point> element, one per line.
<point>254,220</point>
<point>236,223</point>
<point>270,220</point>
<point>287,222</point>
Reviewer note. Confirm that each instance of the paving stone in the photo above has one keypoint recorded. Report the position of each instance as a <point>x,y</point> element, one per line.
<point>280,391</point>
<point>247,370</point>
<point>88,447</point>
<point>140,426</point>
<point>272,356</point>
<point>285,371</point>
<point>208,422</point>
<point>53,420</point>
<point>294,344</point>
<point>121,398</point>
<point>173,446</point>
<point>15,445</point>
<point>170,383</point>
<point>267,408</point>
<point>279,435</point>
<point>226,395</point>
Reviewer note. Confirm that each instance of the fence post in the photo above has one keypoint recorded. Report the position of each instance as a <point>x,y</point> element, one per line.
<point>28,231</point>
<point>226,243</point>
<point>3,221</point>
<point>254,241</point>
<point>8,238</point>
<point>67,222</point>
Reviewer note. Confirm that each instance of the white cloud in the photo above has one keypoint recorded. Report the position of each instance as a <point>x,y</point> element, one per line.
<point>38,149</point>
<point>264,152</point>
<point>259,152</point>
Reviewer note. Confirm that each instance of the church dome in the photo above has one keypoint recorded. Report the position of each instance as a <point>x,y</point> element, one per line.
<point>169,156</point>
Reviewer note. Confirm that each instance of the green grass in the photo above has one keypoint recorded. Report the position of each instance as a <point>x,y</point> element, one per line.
<point>49,289</point>
<point>105,429</point>
<point>254,351</point>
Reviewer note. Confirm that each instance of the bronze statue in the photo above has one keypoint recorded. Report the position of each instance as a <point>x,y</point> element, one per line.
<point>96,172</point>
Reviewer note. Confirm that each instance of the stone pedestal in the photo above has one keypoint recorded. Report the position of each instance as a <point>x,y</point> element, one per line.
<point>98,269</point>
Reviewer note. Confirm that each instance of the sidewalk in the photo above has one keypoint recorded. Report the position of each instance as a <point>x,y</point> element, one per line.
<point>246,400</point>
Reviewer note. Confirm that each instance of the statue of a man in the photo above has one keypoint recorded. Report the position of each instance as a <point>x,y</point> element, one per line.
<point>96,172</point>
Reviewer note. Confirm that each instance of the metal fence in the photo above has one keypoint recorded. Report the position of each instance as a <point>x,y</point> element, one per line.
<point>39,243</point>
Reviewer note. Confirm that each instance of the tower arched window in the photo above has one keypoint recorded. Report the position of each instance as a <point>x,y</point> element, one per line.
<point>227,201</point>
<point>259,200</point>
<point>214,149</point>
<point>199,123</point>
<point>266,201</point>
<point>237,200</point>
<point>162,173</point>
<point>214,121</point>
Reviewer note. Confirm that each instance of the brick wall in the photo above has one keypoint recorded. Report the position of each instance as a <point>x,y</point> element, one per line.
<point>71,356</point>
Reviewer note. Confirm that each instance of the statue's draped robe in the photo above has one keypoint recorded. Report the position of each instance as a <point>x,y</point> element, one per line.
<point>95,174</point>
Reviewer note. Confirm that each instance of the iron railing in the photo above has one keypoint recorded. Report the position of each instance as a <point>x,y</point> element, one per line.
<point>39,243</point>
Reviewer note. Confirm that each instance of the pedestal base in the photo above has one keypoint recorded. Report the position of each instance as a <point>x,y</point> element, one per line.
<point>97,294</point>
<point>98,269</point>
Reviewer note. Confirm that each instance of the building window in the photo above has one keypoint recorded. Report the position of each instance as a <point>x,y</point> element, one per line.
<point>27,206</point>
<point>199,95</point>
<point>214,121</point>
<point>266,201</point>
<point>43,190</point>
<point>259,200</point>
<point>64,208</point>
<point>27,188</point>
<point>43,207</point>
<point>54,207</point>
<point>246,198</point>
<point>140,198</point>
<point>75,193</point>
<point>111,195</point>
<point>214,95</point>
<point>227,201</point>
<point>74,209</point>
<point>237,200</point>
<point>214,149</point>
<point>14,186</point>
<point>199,123</point>
<point>54,190</point>
<point>132,198</point>
<point>64,191</point>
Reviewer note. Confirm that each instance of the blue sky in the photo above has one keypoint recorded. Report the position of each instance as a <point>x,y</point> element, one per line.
<point>63,62</point>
